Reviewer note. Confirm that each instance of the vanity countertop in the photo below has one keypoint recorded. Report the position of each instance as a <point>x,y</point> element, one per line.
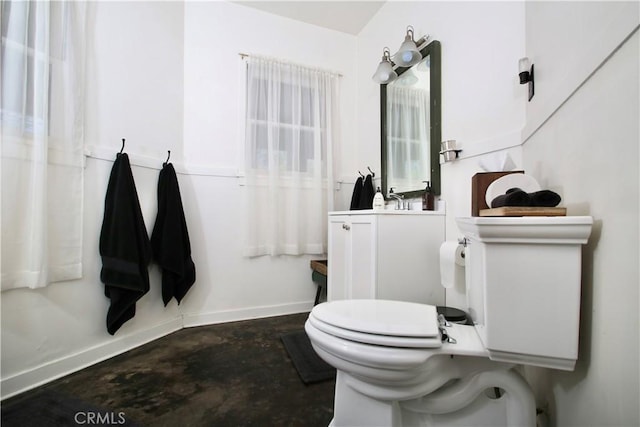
<point>387,212</point>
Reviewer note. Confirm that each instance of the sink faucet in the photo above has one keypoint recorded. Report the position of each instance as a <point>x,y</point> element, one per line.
<point>399,199</point>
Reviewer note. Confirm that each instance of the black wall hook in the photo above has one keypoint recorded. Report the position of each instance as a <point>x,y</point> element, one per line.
<point>372,173</point>
<point>122,149</point>
<point>168,156</point>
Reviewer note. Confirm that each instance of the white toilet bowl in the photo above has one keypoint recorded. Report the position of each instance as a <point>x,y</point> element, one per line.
<point>398,366</point>
<point>393,366</point>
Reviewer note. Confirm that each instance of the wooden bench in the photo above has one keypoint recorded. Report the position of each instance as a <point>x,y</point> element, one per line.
<point>319,276</point>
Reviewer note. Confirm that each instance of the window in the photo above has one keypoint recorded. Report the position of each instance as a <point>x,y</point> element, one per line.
<point>41,112</point>
<point>292,131</point>
<point>289,133</point>
<point>35,53</point>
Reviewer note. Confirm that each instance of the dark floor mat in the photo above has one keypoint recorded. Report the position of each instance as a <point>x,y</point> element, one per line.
<point>54,409</point>
<point>311,368</point>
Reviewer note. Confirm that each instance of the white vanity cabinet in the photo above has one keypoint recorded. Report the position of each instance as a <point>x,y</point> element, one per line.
<point>387,255</point>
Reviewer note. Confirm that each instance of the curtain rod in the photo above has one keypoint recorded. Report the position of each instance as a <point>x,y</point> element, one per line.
<point>246,55</point>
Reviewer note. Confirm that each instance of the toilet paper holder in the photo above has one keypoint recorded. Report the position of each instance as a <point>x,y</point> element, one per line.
<point>464,242</point>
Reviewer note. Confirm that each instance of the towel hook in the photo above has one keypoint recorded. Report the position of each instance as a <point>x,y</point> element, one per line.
<point>361,175</point>
<point>168,156</point>
<point>372,172</point>
<point>122,149</point>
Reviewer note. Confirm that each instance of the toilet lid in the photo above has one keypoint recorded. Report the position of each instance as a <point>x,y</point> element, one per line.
<point>396,319</point>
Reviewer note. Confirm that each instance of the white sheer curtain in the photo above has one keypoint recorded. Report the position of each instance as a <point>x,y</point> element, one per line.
<point>291,121</point>
<point>41,112</point>
<point>408,133</point>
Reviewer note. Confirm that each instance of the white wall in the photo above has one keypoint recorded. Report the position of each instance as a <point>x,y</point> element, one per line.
<point>586,146</point>
<point>165,76</point>
<point>572,153</point>
<point>135,77</point>
<point>572,39</point>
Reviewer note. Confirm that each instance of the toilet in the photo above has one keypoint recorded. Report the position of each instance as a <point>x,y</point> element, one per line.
<point>398,363</point>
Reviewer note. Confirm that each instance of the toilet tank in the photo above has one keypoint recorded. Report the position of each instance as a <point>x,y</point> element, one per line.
<point>523,279</point>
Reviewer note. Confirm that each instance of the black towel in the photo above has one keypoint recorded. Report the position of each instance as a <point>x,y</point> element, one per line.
<point>545,198</point>
<point>518,197</point>
<point>513,197</point>
<point>170,239</point>
<point>357,192</point>
<point>366,198</point>
<point>124,246</point>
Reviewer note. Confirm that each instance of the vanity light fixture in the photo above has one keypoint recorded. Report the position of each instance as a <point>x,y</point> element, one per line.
<point>385,73</point>
<point>408,54</point>
<point>525,69</point>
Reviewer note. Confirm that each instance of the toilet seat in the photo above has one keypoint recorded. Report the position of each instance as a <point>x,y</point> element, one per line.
<point>379,322</point>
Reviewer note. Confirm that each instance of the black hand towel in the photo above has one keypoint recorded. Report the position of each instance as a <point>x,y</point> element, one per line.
<point>124,246</point>
<point>355,196</point>
<point>366,198</point>
<point>513,197</point>
<point>170,239</point>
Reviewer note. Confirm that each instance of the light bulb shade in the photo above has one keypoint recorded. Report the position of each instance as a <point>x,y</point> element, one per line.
<point>524,65</point>
<point>408,54</point>
<point>523,70</point>
<point>385,73</point>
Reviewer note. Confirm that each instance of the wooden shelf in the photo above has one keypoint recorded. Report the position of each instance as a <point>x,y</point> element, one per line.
<point>523,211</point>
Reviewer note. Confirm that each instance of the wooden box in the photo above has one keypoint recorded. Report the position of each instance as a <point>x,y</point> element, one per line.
<point>479,184</point>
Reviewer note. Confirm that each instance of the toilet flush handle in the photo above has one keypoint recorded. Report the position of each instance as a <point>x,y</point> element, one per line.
<point>446,338</point>
<point>442,323</point>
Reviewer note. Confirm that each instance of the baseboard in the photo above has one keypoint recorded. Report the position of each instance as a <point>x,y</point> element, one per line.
<point>55,369</point>
<point>224,316</point>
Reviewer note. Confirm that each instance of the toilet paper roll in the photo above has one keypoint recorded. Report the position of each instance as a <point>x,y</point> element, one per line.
<point>451,263</point>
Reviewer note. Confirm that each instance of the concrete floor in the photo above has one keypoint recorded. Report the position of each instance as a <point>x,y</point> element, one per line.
<point>233,374</point>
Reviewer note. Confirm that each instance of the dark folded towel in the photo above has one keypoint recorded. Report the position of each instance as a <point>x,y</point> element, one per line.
<point>513,197</point>
<point>545,198</point>
<point>518,197</point>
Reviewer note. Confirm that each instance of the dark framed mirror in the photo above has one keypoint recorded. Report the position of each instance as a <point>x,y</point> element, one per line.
<point>410,123</point>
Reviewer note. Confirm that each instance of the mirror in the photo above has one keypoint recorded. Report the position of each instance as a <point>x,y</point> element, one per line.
<point>410,127</point>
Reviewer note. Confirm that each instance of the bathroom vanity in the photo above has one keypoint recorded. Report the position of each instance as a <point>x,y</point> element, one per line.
<point>386,255</point>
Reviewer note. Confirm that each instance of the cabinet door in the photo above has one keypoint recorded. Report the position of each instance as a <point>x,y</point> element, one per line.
<point>362,256</point>
<point>338,258</point>
<point>409,258</point>
<point>351,257</point>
